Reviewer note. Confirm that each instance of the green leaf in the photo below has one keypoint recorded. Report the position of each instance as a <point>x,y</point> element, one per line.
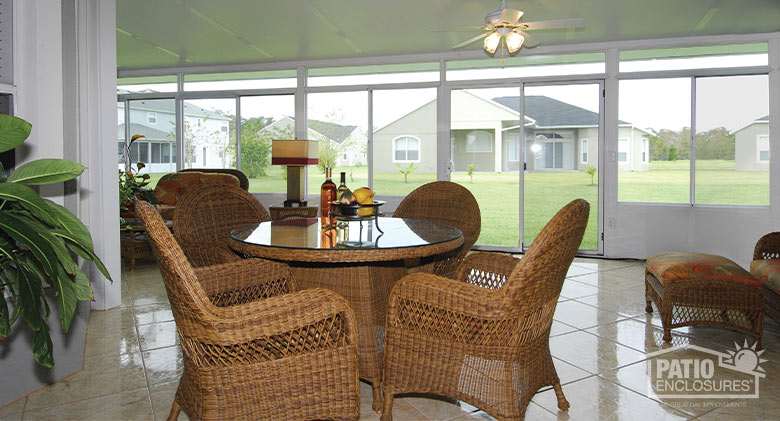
<point>13,132</point>
<point>42,347</point>
<point>82,287</point>
<point>71,223</point>
<point>85,254</point>
<point>30,300</point>
<point>5,325</point>
<point>29,199</point>
<point>56,244</point>
<point>46,171</point>
<point>66,298</point>
<point>18,229</point>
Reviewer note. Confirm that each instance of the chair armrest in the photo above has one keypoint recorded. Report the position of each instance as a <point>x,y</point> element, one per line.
<point>486,270</point>
<point>245,281</point>
<point>292,324</point>
<point>767,247</point>
<point>449,309</point>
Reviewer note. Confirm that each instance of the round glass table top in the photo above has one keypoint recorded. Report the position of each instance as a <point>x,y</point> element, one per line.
<point>371,233</point>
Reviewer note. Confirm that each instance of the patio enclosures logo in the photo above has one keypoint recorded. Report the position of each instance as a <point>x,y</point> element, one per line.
<point>694,372</point>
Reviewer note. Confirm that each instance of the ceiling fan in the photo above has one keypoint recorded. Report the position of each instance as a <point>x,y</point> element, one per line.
<point>503,26</point>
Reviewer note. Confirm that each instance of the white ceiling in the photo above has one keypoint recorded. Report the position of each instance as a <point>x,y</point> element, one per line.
<point>169,33</point>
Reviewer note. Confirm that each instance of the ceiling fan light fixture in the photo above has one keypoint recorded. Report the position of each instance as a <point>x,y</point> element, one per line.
<point>514,41</point>
<point>491,42</point>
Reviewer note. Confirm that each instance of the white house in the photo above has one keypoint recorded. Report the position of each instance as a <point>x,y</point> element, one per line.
<point>206,134</point>
<point>350,141</point>
<point>751,146</point>
<point>559,136</point>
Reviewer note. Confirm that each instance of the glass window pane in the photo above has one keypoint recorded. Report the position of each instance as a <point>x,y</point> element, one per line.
<point>205,144</point>
<point>166,152</point>
<point>703,57</point>
<point>147,84</point>
<point>732,116</point>
<point>339,120</point>
<point>660,110</point>
<point>408,115</point>
<point>375,74</point>
<point>163,132</point>
<point>492,177</point>
<point>241,80</point>
<point>156,155</point>
<point>264,118</point>
<point>527,66</point>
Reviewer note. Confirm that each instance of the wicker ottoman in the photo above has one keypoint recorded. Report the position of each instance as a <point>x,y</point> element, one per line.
<point>706,290</point>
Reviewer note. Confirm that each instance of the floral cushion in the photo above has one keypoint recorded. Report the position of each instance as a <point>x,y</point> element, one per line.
<point>768,271</point>
<point>173,185</point>
<point>672,266</point>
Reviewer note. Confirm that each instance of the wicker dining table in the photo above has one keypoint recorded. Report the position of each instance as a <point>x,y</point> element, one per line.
<point>361,259</point>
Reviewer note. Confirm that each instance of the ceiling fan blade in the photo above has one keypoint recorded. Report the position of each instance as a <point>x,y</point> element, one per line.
<point>554,24</point>
<point>470,40</point>
<point>530,40</point>
<point>512,16</point>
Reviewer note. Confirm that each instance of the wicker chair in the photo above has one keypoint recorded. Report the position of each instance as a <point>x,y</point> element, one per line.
<point>483,338</point>
<point>252,349</point>
<point>448,203</point>
<point>204,216</point>
<point>242,178</point>
<point>768,247</point>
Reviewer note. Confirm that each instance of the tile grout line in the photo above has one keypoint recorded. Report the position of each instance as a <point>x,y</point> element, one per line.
<point>141,352</point>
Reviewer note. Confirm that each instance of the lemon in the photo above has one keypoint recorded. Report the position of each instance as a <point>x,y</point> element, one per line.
<point>364,196</point>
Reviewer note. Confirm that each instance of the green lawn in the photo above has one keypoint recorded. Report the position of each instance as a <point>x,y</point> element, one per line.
<point>546,192</point>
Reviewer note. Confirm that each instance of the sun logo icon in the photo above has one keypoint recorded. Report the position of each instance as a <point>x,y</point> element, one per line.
<point>745,359</point>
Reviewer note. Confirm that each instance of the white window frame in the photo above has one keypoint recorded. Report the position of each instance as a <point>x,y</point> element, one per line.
<point>419,148</point>
<point>492,139</point>
<point>645,150</point>
<point>759,140</point>
<point>584,152</point>
<point>225,127</point>
<point>151,117</point>
<point>625,142</point>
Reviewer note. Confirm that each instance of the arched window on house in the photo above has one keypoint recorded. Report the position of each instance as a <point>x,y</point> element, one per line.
<point>406,149</point>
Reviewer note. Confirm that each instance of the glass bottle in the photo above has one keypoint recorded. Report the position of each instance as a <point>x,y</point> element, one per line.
<point>342,186</point>
<point>327,195</point>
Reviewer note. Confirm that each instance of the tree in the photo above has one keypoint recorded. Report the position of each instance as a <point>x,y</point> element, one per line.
<point>406,171</point>
<point>470,171</point>
<point>328,154</point>
<point>256,145</point>
<point>591,171</point>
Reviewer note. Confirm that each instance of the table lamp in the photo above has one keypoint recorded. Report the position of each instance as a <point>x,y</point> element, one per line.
<point>295,154</point>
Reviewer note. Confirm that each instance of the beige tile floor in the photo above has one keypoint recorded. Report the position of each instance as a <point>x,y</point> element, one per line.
<point>600,337</point>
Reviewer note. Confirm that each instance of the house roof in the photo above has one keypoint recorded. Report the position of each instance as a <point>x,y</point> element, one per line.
<point>167,106</point>
<point>550,112</point>
<point>764,119</point>
<point>332,131</point>
<point>151,133</point>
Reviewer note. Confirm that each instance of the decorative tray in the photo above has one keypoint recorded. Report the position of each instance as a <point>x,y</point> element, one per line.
<point>356,211</point>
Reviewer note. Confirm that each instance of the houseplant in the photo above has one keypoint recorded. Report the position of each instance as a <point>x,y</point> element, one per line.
<point>132,183</point>
<point>40,242</point>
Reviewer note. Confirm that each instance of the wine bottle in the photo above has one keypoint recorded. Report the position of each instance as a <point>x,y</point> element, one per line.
<point>327,195</point>
<point>342,186</point>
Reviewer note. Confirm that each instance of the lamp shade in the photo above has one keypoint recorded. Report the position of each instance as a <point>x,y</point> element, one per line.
<point>491,42</point>
<point>294,152</point>
<point>514,41</point>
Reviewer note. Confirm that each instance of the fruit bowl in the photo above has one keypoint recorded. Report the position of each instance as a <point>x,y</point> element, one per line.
<point>356,211</point>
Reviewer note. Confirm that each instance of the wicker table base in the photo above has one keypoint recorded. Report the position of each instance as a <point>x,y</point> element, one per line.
<point>366,287</point>
<point>730,305</point>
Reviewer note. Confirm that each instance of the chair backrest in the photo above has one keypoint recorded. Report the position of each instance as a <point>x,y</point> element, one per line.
<point>243,180</point>
<point>536,281</point>
<point>189,302</point>
<point>172,186</point>
<point>445,202</point>
<point>207,213</point>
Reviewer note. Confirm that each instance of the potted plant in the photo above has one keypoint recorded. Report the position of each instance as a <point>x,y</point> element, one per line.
<point>40,242</point>
<point>132,184</point>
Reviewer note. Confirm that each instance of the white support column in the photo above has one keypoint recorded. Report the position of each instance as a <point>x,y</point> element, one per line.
<point>608,152</point>
<point>774,131</point>
<point>443,149</point>
<point>96,24</point>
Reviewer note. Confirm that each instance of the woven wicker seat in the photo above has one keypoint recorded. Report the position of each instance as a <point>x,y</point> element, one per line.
<point>768,248</point>
<point>483,338</point>
<point>242,178</point>
<point>204,217</point>
<point>251,348</point>
<point>447,203</point>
